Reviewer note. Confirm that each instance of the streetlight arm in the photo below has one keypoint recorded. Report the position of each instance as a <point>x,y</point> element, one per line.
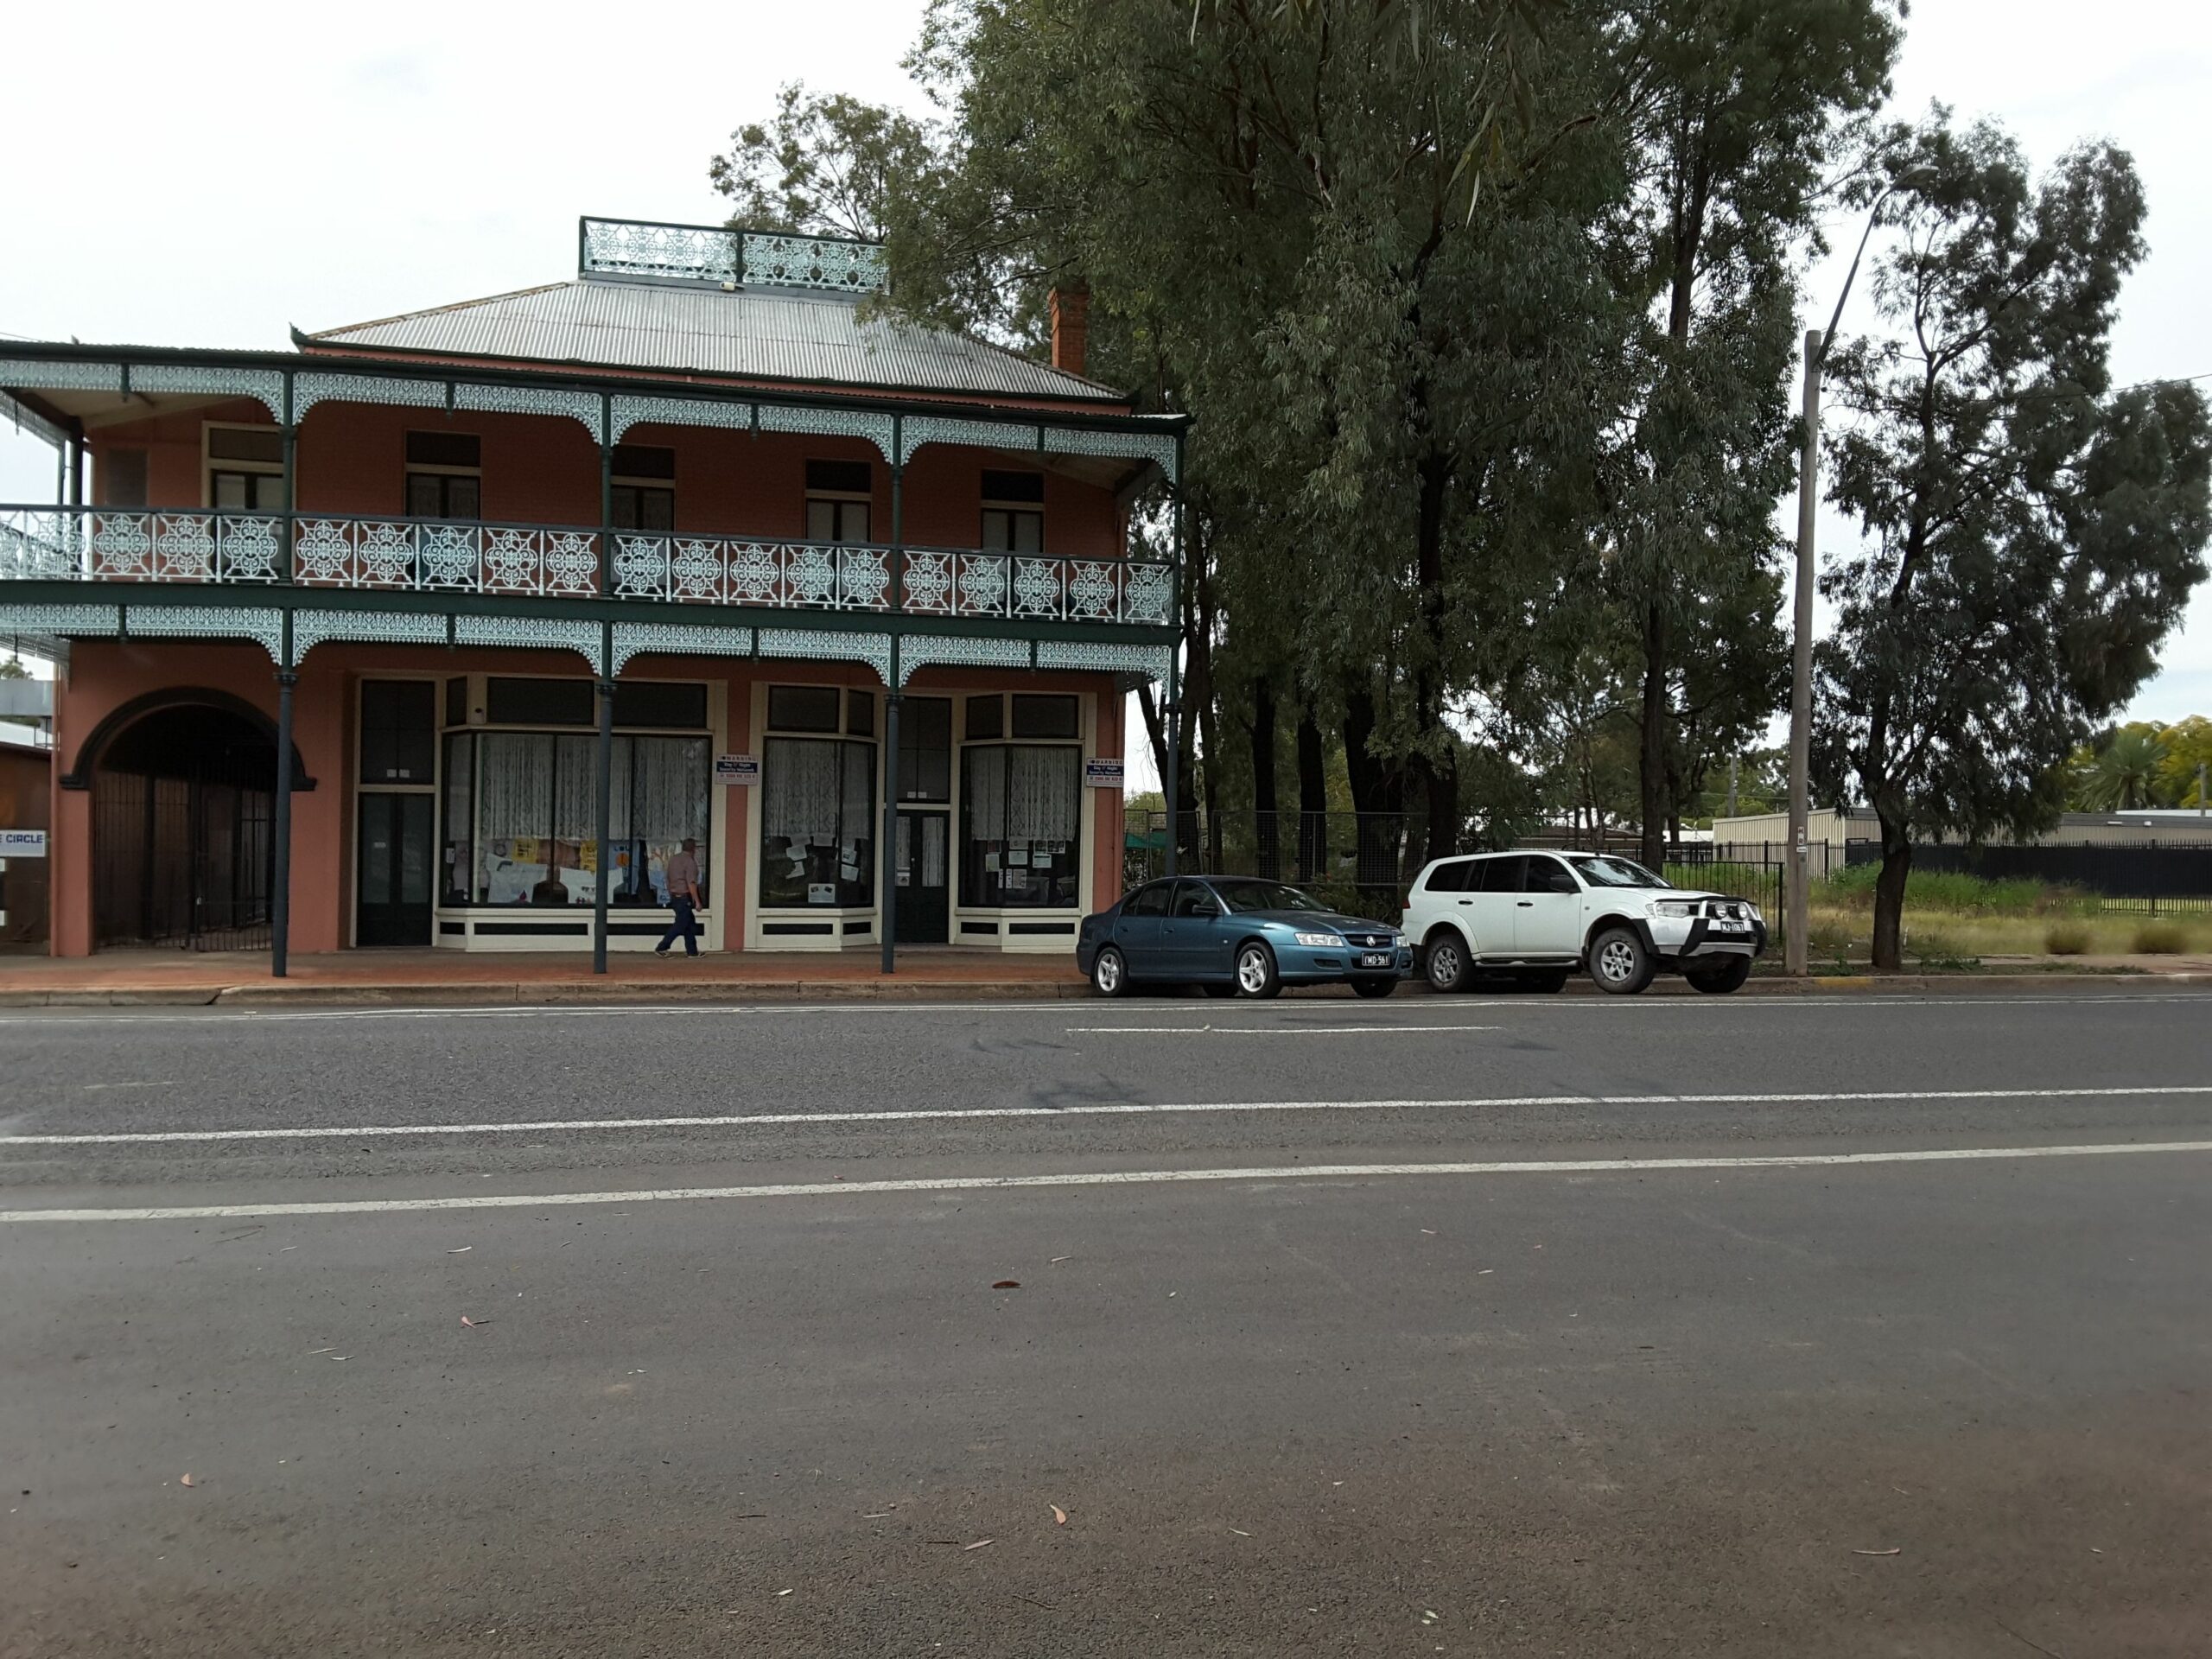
<point>1873,214</point>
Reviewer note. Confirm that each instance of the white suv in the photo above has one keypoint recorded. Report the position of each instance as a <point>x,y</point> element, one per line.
<point>1538,916</point>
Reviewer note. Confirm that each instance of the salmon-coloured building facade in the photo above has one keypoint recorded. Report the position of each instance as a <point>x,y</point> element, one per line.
<point>689,585</point>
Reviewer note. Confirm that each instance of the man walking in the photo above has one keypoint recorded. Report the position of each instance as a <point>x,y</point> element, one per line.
<point>683,873</point>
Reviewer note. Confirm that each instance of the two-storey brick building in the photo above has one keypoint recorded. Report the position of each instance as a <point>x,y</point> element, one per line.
<point>449,629</point>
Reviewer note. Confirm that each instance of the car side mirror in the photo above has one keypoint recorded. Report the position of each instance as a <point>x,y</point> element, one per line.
<point>1203,911</point>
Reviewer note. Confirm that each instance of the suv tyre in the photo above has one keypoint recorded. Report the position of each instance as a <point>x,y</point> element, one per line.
<point>1619,963</point>
<point>1446,962</point>
<point>1719,982</point>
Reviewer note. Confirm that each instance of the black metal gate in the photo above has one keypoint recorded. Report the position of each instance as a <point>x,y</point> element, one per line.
<point>182,818</point>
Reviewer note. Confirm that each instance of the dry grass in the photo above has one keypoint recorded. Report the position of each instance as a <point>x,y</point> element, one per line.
<point>2067,939</point>
<point>2160,939</point>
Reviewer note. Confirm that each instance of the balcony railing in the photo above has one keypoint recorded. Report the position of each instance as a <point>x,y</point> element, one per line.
<point>45,543</point>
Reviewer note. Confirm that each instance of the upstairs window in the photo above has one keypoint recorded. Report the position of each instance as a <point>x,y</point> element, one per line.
<point>1014,512</point>
<point>246,468</point>
<point>839,496</point>
<point>445,476</point>
<point>643,495</point>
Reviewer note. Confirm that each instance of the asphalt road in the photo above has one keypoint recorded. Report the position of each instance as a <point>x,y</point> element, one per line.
<point>1473,1326</point>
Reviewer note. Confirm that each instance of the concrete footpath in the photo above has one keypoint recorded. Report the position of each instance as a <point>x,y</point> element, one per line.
<point>453,978</point>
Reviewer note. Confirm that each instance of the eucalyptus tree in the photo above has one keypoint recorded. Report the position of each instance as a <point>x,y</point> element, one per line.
<point>1739,110</point>
<point>2032,532</point>
<point>824,164</point>
<point>1356,241</point>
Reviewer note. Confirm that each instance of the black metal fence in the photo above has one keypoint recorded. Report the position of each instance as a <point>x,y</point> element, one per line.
<point>1731,871</point>
<point>2145,877</point>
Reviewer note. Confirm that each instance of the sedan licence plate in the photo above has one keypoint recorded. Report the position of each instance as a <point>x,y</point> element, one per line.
<point>1376,959</point>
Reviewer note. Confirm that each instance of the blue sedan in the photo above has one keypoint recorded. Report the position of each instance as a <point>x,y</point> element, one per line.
<point>1237,936</point>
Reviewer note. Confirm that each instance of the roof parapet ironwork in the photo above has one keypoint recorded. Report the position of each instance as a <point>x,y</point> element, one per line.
<point>634,249</point>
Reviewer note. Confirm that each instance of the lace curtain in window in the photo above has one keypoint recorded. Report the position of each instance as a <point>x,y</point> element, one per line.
<point>576,788</point>
<point>800,787</point>
<point>517,784</point>
<point>985,773</point>
<point>1040,789</point>
<point>662,780</point>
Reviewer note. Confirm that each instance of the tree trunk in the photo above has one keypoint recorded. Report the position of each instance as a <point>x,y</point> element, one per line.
<point>1889,892</point>
<point>1434,766</point>
<point>1312,795</point>
<point>1266,840</point>
<point>1651,753</point>
<point>1198,720</point>
<point>1186,792</point>
<point>1378,799</point>
<point>1209,769</point>
<point>1155,727</point>
<point>1692,201</point>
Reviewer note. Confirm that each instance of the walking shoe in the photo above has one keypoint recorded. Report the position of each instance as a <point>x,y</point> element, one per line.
<point>660,950</point>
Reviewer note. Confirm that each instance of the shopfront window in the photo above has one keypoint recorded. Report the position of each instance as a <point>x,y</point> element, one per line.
<point>1021,840</point>
<point>521,814</point>
<point>457,887</point>
<point>817,813</point>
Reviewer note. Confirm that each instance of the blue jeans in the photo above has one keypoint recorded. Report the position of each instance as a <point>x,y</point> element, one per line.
<point>684,927</point>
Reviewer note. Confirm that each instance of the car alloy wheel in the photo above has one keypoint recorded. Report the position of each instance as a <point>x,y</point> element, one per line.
<point>1619,962</point>
<point>1255,972</point>
<point>1446,965</point>
<point>1109,974</point>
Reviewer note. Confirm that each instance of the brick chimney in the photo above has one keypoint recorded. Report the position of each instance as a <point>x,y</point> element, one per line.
<point>1070,326</point>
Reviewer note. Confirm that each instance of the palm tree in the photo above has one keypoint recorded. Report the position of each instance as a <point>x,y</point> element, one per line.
<point>2125,774</point>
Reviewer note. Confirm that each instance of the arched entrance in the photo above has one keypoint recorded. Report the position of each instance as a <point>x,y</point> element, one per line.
<point>182,811</point>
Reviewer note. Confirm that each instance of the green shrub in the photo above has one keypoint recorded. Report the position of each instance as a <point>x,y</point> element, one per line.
<point>1852,888</point>
<point>2160,939</point>
<point>2067,939</point>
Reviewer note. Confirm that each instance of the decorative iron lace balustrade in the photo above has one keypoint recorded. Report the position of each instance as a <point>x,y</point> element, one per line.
<point>734,571</point>
<point>95,544</point>
<point>704,253</point>
<point>100,545</point>
<point>432,557</point>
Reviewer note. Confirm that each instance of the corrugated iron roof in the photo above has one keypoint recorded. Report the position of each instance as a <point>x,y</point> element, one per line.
<point>750,333</point>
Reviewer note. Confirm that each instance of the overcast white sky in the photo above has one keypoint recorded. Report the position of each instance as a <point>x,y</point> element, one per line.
<point>179,177</point>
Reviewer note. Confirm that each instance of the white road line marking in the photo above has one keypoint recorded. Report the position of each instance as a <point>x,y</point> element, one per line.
<point>164,1082</point>
<point>1117,1109</point>
<point>1261,1030</point>
<point>60,1018</point>
<point>1103,1177</point>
